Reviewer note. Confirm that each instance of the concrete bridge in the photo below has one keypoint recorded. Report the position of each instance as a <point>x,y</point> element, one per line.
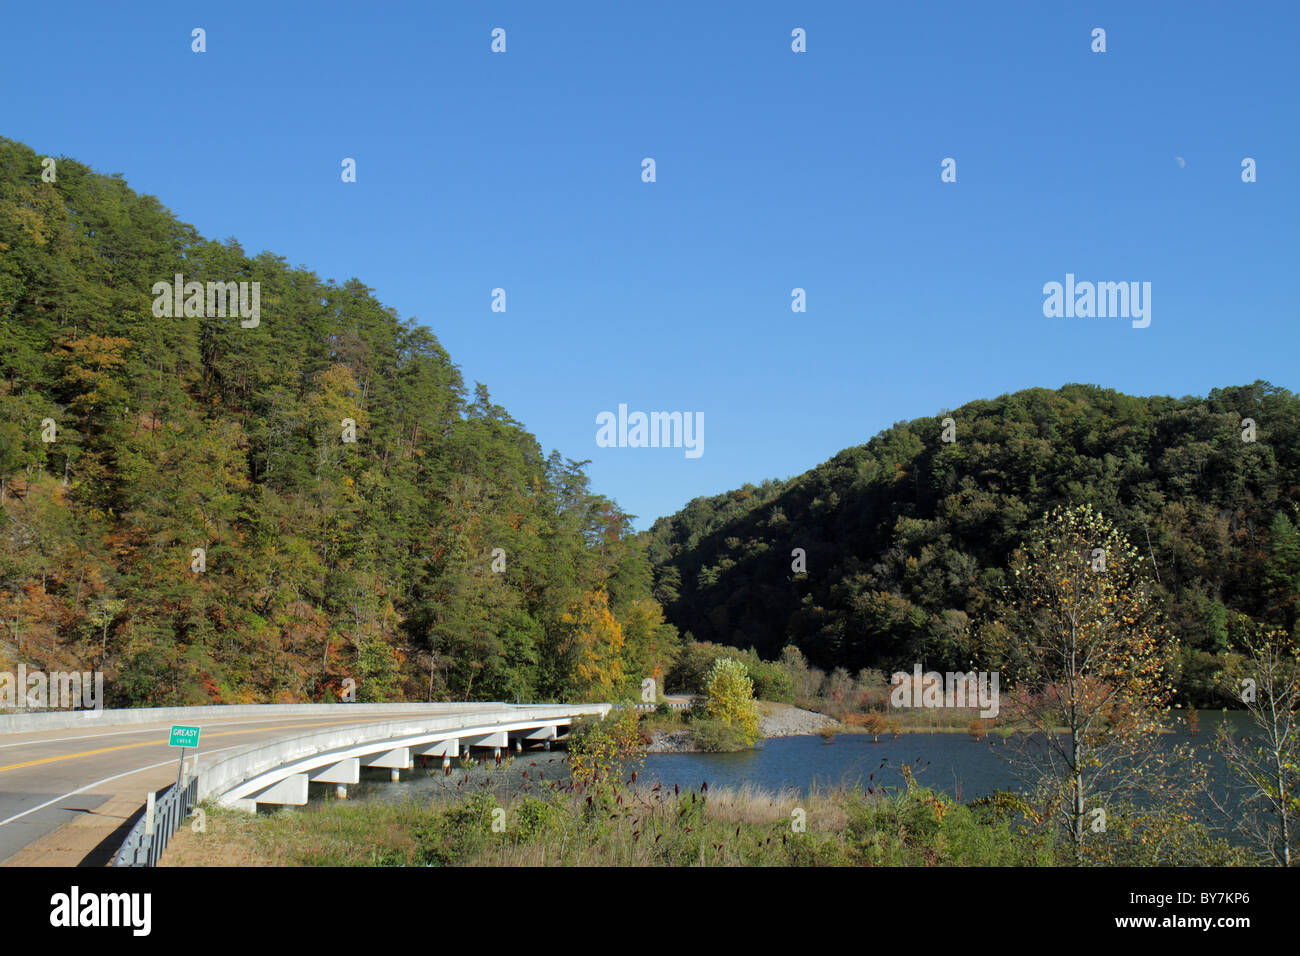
<point>280,772</point>
<point>73,783</point>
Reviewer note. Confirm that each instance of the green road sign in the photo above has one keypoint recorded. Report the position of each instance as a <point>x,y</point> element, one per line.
<point>184,737</point>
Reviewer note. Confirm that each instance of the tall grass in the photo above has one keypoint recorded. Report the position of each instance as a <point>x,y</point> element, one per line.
<point>641,826</point>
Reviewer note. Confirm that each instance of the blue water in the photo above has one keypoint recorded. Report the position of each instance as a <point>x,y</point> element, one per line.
<point>954,763</point>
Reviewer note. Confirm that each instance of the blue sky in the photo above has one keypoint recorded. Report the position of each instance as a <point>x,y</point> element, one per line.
<point>775,170</point>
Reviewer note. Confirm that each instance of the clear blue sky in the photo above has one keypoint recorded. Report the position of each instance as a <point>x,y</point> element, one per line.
<point>775,170</point>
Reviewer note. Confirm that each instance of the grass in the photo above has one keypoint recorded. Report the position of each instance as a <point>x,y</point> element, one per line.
<point>627,826</point>
<point>671,722</point>
<point>707,735</point>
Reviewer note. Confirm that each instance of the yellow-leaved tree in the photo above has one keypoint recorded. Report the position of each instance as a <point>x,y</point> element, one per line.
<point>731,697</point>
<point>1088,665</point>
<point>595,648</point>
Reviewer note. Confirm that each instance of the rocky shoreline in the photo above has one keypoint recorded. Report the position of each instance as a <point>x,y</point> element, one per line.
<point>776,720</point>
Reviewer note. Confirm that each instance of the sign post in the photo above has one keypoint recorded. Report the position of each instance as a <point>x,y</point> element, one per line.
<point>182,737</point>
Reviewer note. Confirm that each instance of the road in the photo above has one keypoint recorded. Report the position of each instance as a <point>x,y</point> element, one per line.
<point>68,797</point>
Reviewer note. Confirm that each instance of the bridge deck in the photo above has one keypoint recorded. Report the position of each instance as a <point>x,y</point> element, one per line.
<point>67,794</point>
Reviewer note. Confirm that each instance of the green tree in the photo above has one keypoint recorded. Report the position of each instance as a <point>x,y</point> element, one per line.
<point>1282,571</point>
<point>731,698</point>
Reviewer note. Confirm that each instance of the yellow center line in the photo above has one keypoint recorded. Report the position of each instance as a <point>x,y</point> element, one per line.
<point>154,743</point>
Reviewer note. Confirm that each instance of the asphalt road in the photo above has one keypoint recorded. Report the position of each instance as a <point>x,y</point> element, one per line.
<point>68,797</point>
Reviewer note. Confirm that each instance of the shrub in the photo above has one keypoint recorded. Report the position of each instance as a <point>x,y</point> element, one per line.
<point>456,834</point>
<point>772,682</point>
<point>921,827</point>
<point>838,686</point>
<point>714,736</point>
<point>874,723</point>
<point>599,750</point>
<point>690,674</point>
<point>806,681</point>
<point>813,849</point>
<point>731,698</point>
<point>536,818</point>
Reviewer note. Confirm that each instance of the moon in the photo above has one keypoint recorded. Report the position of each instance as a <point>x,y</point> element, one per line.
<point>1182,163</point>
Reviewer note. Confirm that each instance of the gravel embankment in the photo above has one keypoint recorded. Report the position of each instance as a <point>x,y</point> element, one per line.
<point>782,720</point>
<point>776,720</point>
<point>678,742</point>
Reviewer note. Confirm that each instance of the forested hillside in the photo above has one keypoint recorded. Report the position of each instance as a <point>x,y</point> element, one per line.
<point>128,441</point>
<point>907,537</point>
<point>131,443</point>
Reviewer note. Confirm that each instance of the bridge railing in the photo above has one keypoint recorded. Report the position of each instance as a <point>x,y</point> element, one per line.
<point>141,848</point>
<point>248,770</point>
<point>675,704</point>
<point>31,722</point>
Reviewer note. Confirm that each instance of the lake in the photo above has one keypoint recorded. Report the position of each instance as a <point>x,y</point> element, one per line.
<point>953,763</point>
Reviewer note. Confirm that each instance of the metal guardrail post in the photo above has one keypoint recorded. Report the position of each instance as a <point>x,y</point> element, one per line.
<point>145,844</point>
<point>147,840</point>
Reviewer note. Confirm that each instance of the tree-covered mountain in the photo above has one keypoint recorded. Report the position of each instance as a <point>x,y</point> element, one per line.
<point>908,537</point>
<point>129,439</point>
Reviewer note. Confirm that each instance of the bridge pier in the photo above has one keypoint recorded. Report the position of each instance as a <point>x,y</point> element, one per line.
<point>541,735</point>
<point>398,758</point>
<point>496,739</point>
<point>440,748</point>
<point>344,771</point>
<point>290,791</point>
<point>279,772</point>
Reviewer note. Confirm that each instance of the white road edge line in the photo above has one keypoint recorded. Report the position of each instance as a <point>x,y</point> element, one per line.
<point>152,766</point>
<point>145,728</point>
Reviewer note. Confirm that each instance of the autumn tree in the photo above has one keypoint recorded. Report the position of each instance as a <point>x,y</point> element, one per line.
<point>602,749</point>
<point>874,723</point>
<point>1086,662</point>
<point>1266,764</point>
<point>651,645</point>
<point>594,648</point>
<point>731,698</point>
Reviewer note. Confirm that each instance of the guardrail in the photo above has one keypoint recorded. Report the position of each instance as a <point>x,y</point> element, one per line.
<point>673,704</point>
<point>248,770</point>
<point>303,751</point>
<point>31,722</point>
<point>145,843</point>
<point>297,755</point>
